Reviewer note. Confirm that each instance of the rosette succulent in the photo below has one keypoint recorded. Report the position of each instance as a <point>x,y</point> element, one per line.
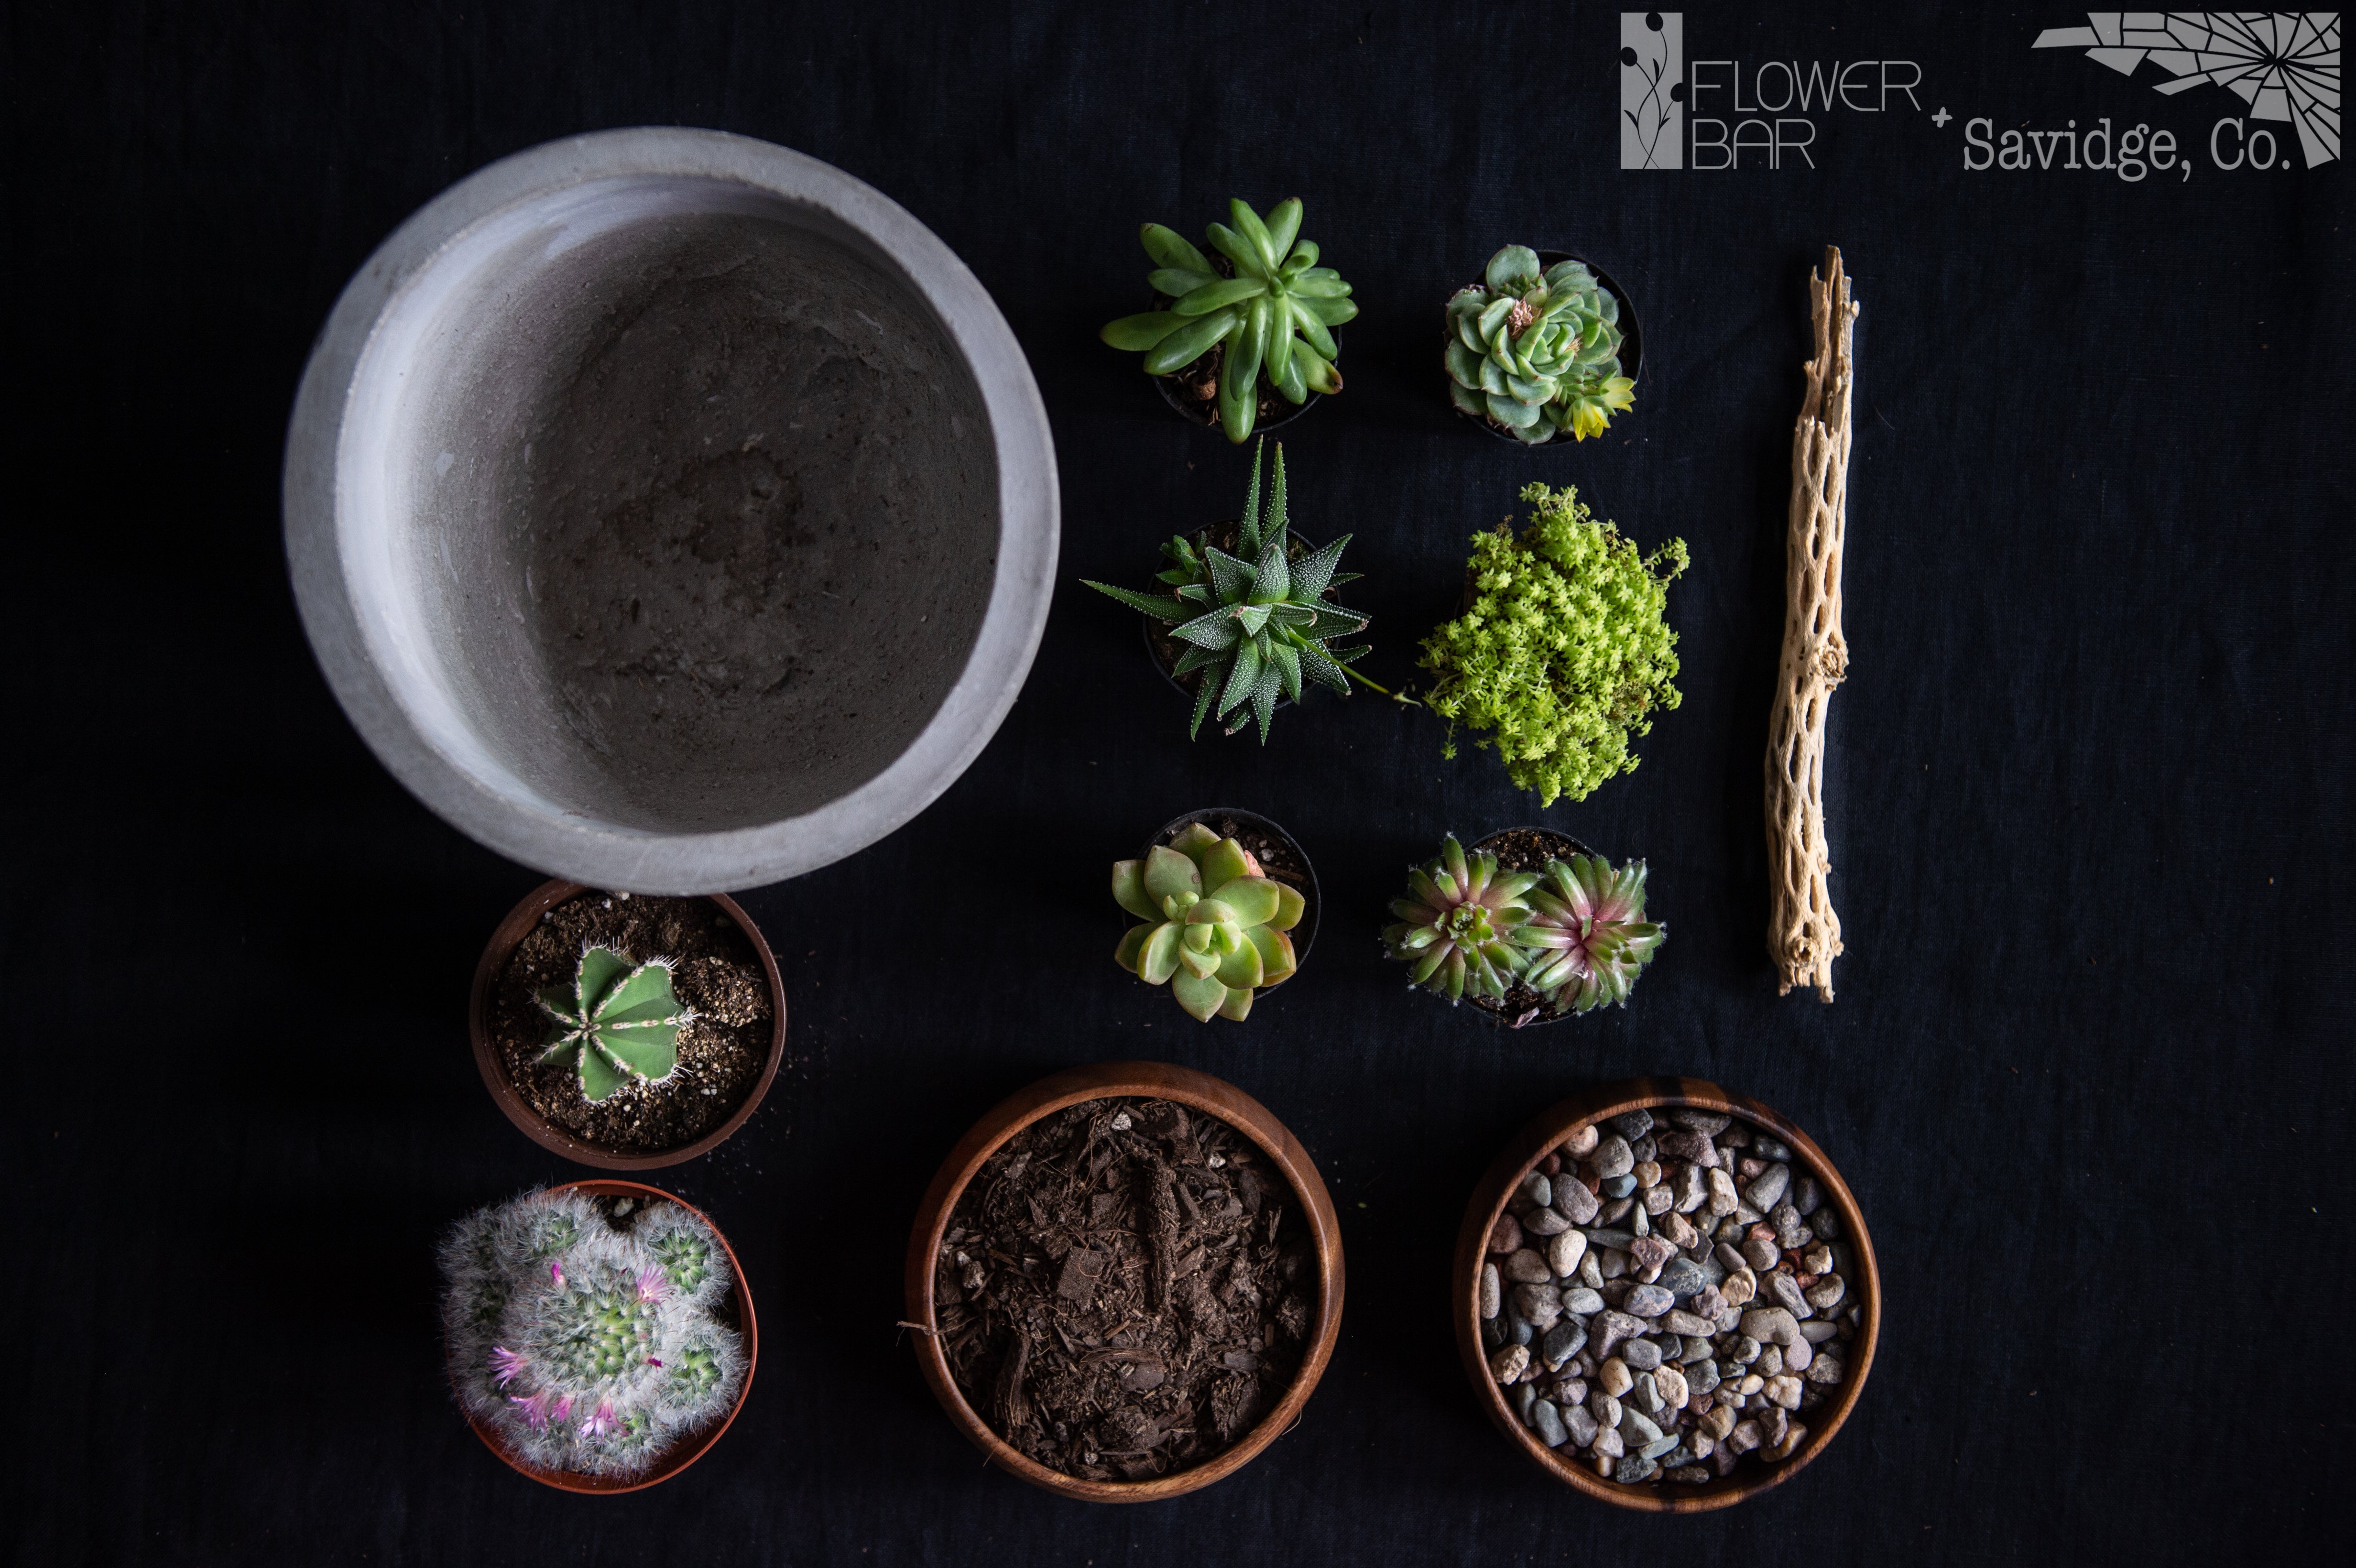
<point>589,1344</point>
<point>616,1022</point>
<point>1537,351</point>
<point>1457,924</point>
<point>1268,313</point>
<point>1256,623</point>
<point>1213,949</point>
<point>1586,936</point>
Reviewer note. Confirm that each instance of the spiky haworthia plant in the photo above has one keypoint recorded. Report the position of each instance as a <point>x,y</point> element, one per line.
<point>1257,623</point>
<point>587,1348</point>
<point>1457,925</point>
<point>1277,291</point>
<point>1537,351</point>
<point>1564,653</point>
<point>1213,949</point>
<point>1586,936</point>
<point>616,1022</point>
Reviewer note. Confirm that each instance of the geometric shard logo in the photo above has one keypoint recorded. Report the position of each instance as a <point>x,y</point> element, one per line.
<point>1653,90</point>
<point>2285,66</point>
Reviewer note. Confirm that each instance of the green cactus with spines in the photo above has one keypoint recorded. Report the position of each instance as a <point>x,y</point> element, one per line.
<point>1537,351</point>
<point>1256,623</point>
<point>616,1023</point>
<point>1213,950</point>
<point>587,1347</point>
<point>1274,315</point>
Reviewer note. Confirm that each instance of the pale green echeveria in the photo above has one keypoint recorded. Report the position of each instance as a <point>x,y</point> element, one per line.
<point>1537,350</point>
<point>1456,924</point>
<point>1213,949</point>
<point>1587,936</point>
<point>616,1022</point>
<point>1275,314</point>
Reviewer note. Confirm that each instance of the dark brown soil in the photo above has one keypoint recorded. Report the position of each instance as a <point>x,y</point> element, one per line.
<point>1124,1290</point>
<point>1524,849</point>
<point>720,1053</point>
<point>1197,386</point>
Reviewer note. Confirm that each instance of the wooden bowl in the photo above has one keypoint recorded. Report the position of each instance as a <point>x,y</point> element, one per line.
<point>692,1446</point>
<point>504,941</point>
<point>1109,1080</point>
<point>1531,1144</point>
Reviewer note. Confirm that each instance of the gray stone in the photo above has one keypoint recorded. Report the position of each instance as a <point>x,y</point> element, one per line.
<point>1767,1147</point>
<point>1562,1341</point>
<point>1665,1443</point>
<point>1798,1355</point>
<point>1744,1437</point>
<point>1616,1209</point>
<point>1640,1355</point>
<point>1767,1190</point>
<point>1612,1260</point>
<point>1681,1322</point>
<point>1605,1236</point>
<point>1634,1468</point>
<point>1701,1376</point>
<point>1649,1252</point>
<point>1788,1295</point>
<point>1547,1422</point>
<point>1608,1442</point>
<point>1743,1350</point>
<point>1651,1301</point>
<point>1492,1332</point>
<point>1639,1219</point>
<point>1826,1293</point>
<point>1681,1277</point>
<point>1710,1124</point>
<point>1573,1201</point>
<point>1635,1425</point>
<point>1828,1370</point>
<point>1633,1124</point>
<point>1670,1384</point>
<point>1540,1304</point>
<point>1564,1251</point>
<point>1822,1329</point>
<point>1613,1157</point>
<point>1686,1145</point>
<point>1509,1363</point>
<point>1642,1395</point>
<point>1688,1475</point>
<point>1506,1235</point>
<point>1578,1299</point>
<point>1658,1200</point>
<point>1761,1252</point>
<point>1806,1196</point>
<point>1545,1222</point>
<point>1707,1302</point>
<point>1644,1150</point>
<point>1612,1329</point>
<point>1818,1260</point>
<point>1697,1348</point>
<point>1491,1290</point>
<point>1619,1186</point>
<point>1770,1363</point>
<point>1790,1235</point>
<point>1692,1187</point>
<point>1581,1143</point>
<point>1535,1191</point>
<point>1605,1408</point>
<point>1591,1269</point>
<point>1527,1267</point>
<point>1579,1424</point>
<point>1826,1222</point>
<point>1525,1394</point>
<point>1517,1328</point>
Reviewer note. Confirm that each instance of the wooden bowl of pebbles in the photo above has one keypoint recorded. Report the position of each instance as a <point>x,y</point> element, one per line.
<point>1125,1282</point>
<point>726,1055</point>
<point>1665,1295</point>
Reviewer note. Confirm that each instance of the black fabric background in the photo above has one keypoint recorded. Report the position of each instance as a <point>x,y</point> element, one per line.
<point>2089,1072</point>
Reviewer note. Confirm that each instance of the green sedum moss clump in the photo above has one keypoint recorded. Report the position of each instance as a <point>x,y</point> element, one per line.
<point>1563,654</point>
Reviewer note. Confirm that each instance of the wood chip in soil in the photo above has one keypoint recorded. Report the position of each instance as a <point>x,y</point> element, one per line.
<point>720,1053</point>
<point>1125,1288</point>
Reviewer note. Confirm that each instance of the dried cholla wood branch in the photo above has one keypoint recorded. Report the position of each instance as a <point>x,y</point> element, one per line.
<point>1802,931</point>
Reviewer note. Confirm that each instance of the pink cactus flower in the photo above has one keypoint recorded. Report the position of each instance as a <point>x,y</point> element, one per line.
<point>601,1423</point>
<point>506,1364</point>
<point>654,1361</point>
<point>556,1273</point>
<point>563,1411</point>
<point>536,1408</point>
<point>653,1285</point>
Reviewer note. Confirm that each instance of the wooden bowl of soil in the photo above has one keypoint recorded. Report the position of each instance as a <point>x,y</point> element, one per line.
<point>738,1311</point>
<point>1125,1282</point>
<point>1526,1152</point>
<point>1281,858</point>
<point>727,1055</point>
<point>1524,849</point>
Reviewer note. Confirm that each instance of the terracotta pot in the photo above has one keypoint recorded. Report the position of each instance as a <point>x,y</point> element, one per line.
<point>1632,349</point>
<point>1563,845</point>
<point>1147,1080</point>
<point>538,1128</point>
<point>694,1444</point>
<point>1531,1144</point>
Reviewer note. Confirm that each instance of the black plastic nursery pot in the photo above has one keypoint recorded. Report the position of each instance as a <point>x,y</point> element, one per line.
<point>1631,352</point>
<point>1277,411</point>
<point>1523,849</point>
<point>1163,650</point>
<point>1280,855</point>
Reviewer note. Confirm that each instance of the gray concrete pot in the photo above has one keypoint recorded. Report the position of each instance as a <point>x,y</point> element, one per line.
<point>670,511</point>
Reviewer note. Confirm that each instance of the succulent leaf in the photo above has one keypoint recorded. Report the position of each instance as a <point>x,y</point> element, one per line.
<point>1169,872</point>
<point>1128,890</point>
<point>1546,345</point>
<point>1586,933</point>
<point>1221,862</point>
<point>1171,249</point>
<point>1200,995</point>
<point>1456,924</point>
<point>1142,332</point>
<point>1290,905</point>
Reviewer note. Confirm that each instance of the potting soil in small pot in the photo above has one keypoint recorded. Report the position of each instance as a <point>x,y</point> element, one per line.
<point>1124,1288</point>
<point>715,974</point>
<point>1666,1297</point>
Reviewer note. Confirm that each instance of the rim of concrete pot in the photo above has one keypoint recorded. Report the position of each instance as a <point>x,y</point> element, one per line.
<point>1110,1080</point>
<point>424,621</point>
<point>1542,1136</point>
<point>1631,351</point>
<point>694,1444</point>
<point>505,938</point>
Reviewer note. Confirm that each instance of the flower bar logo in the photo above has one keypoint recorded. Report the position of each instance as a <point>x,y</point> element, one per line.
<point>1763,114</point>
<point>1652,89</point>
<point>2285,66</point>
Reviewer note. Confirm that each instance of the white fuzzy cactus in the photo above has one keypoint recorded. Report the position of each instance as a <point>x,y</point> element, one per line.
<point>588,1347</point>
